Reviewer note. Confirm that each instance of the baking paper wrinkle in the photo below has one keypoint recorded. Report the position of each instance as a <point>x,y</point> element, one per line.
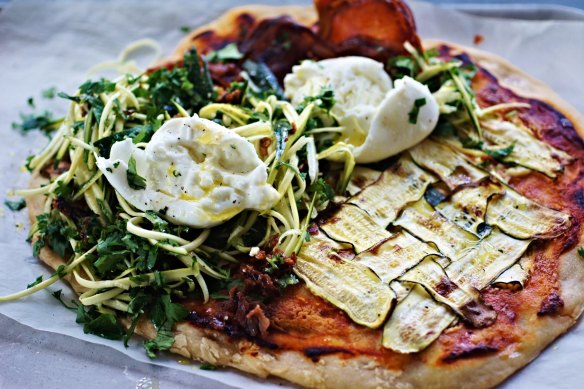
<point>39,52</point>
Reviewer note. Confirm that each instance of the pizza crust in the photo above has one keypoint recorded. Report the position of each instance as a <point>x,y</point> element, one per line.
<point>333,371</point>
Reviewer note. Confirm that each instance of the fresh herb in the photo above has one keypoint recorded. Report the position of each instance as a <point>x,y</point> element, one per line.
<point>414,113</point>
<point>43,122</point>
<point>324,100</point>
<point>15,205</point>
<point>137,134</point>
<point>189,86</point>
<point>163,341</point>
<point>263,82</point>
<point>185,29</point>
<point>55,232</point>
<point>38,280</point>
<point>228,53</point>
<point>94,322</point>
<point>581,252</point>
<point>134,180</point>
<point>158,223</point>
<point>89,95</point>
<point>402,66</point>
<point>500,154</point>
<point>323,191</point>
<point>30,102</point>
<point>462,78</point>
<point>207,366</point>
<point>49,93</point>
<point>287,280</point>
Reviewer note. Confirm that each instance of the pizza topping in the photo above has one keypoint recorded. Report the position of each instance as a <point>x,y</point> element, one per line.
<point>465,302</point>
<point>422,221</point>
<point>350,286</point>
<point>468,206</point>
<point>352,225</point>
<point>393,257</point>
<point>373,117</point>
<point>523,218</point>
<point>452,168</point>
<point>401,184</point>
<point>416,322</point>
<point>198,171</point>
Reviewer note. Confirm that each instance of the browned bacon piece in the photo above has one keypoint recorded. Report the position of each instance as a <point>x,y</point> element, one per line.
<point>375,28</point>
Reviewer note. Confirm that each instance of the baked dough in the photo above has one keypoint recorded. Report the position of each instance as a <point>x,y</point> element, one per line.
<point>336,371</point>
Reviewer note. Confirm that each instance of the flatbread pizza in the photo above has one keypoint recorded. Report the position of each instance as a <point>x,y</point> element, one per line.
<point>316,194</point>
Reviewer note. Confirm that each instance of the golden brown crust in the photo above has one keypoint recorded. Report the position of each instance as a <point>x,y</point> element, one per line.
<point>363,371</point>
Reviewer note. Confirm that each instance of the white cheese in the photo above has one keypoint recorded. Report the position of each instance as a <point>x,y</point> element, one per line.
<point>197,173</point>
<point>377,121</point>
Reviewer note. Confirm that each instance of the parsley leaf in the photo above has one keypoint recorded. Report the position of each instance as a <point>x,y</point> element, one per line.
<point>38,280</point>
<point>500,154</point>
<point>43,122</point>
<point>163,341</point>
<point>581,252</point>
<point>137,134</point>
<point>185,29</point>
<point>134,180</point>
<point>401,66</point>
<point>324,192</point>
<point>413,115</point>
<point>55,232</point>
<point>49,93</point>
<point>229,52</point>
<point>15,205</point>
<point>324,100</point>
<point>207,366</point>
<point>104,325</point>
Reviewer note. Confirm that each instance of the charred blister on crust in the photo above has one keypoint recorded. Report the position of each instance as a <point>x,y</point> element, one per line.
<point>467,351</point>
<point>315,353</point>
<point>551,305</point>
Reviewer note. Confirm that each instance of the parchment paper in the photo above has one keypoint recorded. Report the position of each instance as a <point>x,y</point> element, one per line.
<point>45,44</point>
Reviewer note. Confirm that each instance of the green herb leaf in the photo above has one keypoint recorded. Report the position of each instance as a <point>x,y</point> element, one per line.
<point>134,180</point>
<point>229,52</point>
<point>324,100</point>
<point>207,366</point>
<point>163,341</point>
<point>15,205</point>
<point>413,115</point>
<point>38,280</point>
<point>185,29</point>
<point>401,66</point>
<point>43,122</point>
<point>581,252</point>
<point>500,154</point>
<point>137,134</point>
<point>49,93</point>
<point>104,325</point>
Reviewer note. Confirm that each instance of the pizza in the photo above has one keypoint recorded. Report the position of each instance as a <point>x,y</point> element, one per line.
<point>319,195</point>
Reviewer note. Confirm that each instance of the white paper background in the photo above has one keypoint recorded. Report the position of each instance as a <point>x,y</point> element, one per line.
<point>44,44</point>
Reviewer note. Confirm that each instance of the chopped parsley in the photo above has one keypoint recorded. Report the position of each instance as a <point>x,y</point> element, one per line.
<point>414,113</point>
<point>228,53</point>
<point>43,122</point>
<point>134,180</point>
<point>15,205</point>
